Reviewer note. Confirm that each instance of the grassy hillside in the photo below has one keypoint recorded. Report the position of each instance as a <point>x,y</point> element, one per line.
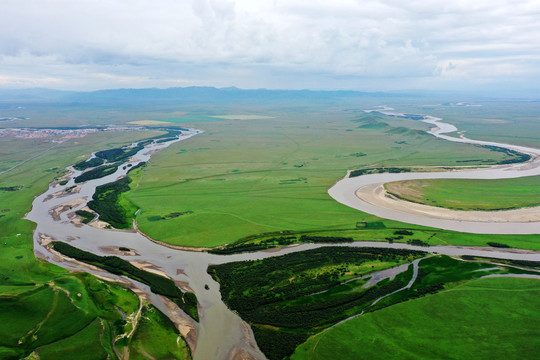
<point>481,319</point>
<point>44,309</point>
<point>289,298</point>
<point>156,337</point>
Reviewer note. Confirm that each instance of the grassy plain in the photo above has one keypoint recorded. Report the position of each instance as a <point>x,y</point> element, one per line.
<point>429,236</point>
<point>507,121</point>
<point>462,194</point>
<point>289,298</point>
<point>45,309</point>
<point>241,178</point>
<point>492,318</point>
<point>238,179</point>
<point>68,315</point>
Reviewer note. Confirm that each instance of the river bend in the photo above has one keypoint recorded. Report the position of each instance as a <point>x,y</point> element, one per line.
<point>220,334</point>
<point>344,191</point>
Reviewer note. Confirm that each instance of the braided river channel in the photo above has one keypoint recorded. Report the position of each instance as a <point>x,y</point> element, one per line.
<point>221,333</point>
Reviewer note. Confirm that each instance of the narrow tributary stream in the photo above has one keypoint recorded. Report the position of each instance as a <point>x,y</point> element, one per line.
<point>220,334</point>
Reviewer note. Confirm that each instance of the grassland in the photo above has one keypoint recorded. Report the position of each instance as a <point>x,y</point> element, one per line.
<point>480,319</point>
<point>46,310</point>
<point>241,178</point>
<point>106,201</point>
<point>71,313</point>
<point>461,194</point>
<point>289,298</point>
<point>113,264</point>
<point>156,338</point>
<point>511,122</point>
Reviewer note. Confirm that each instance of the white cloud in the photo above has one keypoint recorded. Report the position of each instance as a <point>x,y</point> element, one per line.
<point>245,42</point>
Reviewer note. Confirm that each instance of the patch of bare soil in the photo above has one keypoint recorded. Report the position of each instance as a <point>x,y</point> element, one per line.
<point>116,251</point>
<point>184,324</point>
<point>58,210</point>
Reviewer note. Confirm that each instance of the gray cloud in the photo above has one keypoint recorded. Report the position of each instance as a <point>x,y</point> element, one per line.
<point>366,45</point>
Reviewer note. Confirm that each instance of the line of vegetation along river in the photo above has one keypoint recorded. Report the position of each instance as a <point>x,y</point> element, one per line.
<point>221,332</point>
<point>344,191</point>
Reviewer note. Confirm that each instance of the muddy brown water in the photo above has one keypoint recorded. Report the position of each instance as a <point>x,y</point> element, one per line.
<point>221,333</point>
<point>344,191</point>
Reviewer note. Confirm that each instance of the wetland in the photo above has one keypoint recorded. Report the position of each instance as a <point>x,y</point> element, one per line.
<point>306,279</point>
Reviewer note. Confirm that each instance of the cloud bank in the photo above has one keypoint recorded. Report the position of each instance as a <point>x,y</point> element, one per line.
<point>340,44</point>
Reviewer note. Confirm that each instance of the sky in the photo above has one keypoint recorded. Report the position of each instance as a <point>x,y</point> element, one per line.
<point>367,45</point>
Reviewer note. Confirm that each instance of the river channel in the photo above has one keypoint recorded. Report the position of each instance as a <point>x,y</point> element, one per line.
<point>344,191</point>
<point>220,334</point>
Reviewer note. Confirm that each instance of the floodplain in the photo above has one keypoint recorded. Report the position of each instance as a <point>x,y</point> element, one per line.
<point>258,179</point>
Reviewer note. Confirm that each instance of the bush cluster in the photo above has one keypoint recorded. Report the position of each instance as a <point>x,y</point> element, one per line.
<point>113,264</point>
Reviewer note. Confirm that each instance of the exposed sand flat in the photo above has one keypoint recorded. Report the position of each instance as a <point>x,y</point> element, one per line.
<point>375,194</point>
<point>57,210</point>
<point>45,239</point>
<point>247,349</point>
<point>184,324</point>
<point>240,354</point>
<point>76,219</point>
<point>146,266</point>
<point>184,285</point>
<point>116,251</point>
<point>98,224</point>
<point>65,177</point>
<point>63,193</point>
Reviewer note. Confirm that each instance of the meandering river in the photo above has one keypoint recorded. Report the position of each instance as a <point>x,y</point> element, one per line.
<point>344,191</point>
<point>221,334</point>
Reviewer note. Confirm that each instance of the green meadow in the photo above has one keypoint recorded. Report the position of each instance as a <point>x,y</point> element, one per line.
<point>288,298</point>
<point>462,194</point>
<point>494,318</point>
<point>506,121</point>
<point>157,338</point>
<point>297,297</point>
<point>46,311</point>
<point>247,177</point>
<point>250,182</point>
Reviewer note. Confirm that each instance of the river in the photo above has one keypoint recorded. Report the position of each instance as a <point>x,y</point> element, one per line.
<point>221,334</point>
<point>344,191</point>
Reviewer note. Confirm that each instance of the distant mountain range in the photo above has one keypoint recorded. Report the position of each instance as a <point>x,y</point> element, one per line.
<point>191,95</point>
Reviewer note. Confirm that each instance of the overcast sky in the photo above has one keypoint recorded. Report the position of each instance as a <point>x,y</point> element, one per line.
<point>285,44</point>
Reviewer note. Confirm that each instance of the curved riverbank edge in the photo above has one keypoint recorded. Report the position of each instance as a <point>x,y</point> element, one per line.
<point>171,246</point>
<point>221,334</point>
<point>371,201</point>
<point>187,327</point>
<point>377,195</point>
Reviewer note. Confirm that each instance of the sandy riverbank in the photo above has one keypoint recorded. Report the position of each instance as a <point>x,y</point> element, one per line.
<point>376,195</point>
<point>183,323</point>
<point>56,211</point>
